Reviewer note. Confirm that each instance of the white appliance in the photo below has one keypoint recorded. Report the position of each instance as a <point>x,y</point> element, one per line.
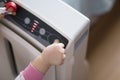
<point>37,24</point>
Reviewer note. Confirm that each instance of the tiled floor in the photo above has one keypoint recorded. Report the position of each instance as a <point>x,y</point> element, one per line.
<point>104,50</point>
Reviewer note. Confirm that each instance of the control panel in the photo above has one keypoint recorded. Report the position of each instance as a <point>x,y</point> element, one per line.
<point>35,27</point>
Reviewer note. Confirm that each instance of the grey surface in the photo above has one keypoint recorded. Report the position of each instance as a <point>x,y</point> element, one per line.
<point>91,7</point>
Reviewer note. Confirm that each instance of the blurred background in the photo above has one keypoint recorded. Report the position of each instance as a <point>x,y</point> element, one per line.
<point>104,46</point>
<point>103,52</point>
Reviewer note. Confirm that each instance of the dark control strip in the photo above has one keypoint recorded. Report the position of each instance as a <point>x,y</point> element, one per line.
<point>35,27</point>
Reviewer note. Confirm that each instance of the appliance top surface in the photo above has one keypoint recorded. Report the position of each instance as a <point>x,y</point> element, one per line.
<point>58,14</point>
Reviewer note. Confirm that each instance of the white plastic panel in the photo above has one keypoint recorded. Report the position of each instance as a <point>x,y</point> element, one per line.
<point>57,14</point>
<point>23,53</point>
<point>6,70</point>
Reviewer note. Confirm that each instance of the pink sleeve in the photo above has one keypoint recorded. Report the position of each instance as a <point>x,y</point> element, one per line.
<point>31,73</point>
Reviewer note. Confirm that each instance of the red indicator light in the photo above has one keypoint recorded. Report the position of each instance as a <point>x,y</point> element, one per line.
<point>35,24</point>
<point>32,31</point>
<point>33,28</point>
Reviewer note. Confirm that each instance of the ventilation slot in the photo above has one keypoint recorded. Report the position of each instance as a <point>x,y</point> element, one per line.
<point>78,43</point>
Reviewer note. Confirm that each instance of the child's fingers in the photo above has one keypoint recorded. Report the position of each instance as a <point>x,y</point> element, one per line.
<point>56,41</point>
<point>61,45</point>
<point>63,59</point>
<point>64,56</point>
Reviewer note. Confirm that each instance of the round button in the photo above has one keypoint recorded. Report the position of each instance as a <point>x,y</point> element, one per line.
<point>42,31</point>
<point>52,38</point>
<point>27,20</point>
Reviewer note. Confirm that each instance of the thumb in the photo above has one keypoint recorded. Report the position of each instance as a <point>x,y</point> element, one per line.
<point>56,41</point>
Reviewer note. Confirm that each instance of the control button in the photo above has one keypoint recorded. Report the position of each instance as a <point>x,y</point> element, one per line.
<point>42,31</point>
<point>27,20</point>
<point>52,38</point>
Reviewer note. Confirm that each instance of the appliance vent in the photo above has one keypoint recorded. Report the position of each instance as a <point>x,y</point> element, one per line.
<point>78,43</point>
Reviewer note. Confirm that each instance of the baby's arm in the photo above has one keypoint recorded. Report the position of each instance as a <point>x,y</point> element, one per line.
<point>51,55</point>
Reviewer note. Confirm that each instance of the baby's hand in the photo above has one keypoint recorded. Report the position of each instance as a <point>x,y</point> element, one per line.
<point>54,54</point>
